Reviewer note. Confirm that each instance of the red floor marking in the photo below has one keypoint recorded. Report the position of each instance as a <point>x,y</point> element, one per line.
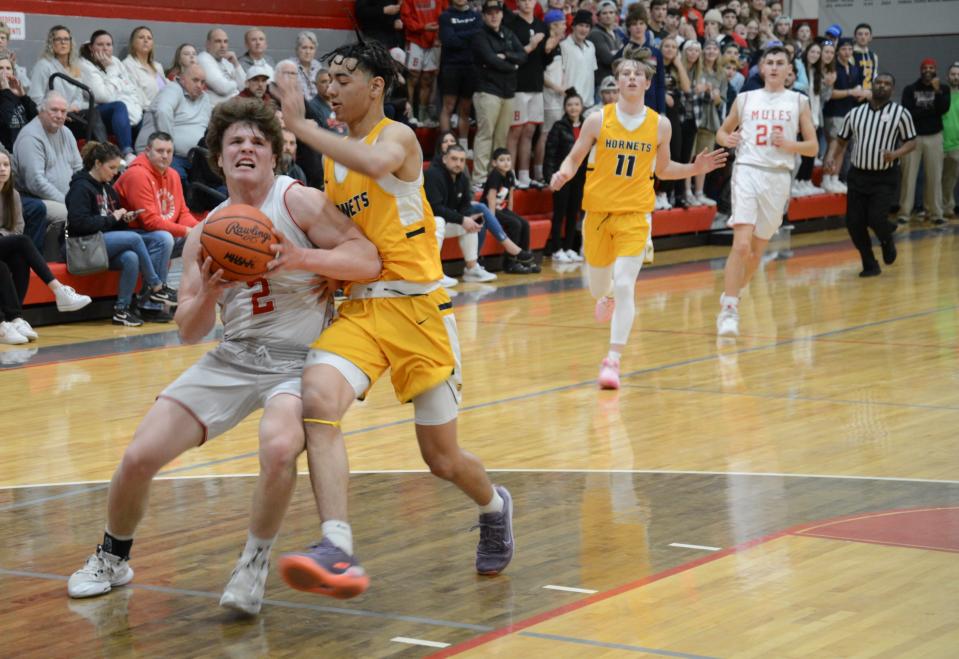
<point>925,528</point>
<point>950,526</point>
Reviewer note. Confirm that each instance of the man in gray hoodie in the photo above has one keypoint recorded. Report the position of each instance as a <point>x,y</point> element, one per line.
<point>45,156</point>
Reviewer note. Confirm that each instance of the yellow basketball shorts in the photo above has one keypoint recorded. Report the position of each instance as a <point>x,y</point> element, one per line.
<point>607,236</point>
<point>414,336</point>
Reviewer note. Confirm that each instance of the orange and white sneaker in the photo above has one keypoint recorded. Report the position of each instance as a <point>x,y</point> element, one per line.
<point>325,569</point>
<point>609,374</point>
<point>604,309</point>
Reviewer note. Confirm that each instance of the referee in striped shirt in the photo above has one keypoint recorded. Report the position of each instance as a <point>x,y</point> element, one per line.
<point>875,129</point>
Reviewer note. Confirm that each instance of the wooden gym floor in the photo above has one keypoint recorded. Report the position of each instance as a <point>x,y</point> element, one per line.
<point>794,493</point>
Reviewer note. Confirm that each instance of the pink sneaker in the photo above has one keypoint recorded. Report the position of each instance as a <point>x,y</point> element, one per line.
<point>609,374</point>
<point>604,309</point>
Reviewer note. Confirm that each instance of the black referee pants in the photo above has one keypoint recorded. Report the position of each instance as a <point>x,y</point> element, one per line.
<point>870,195</point>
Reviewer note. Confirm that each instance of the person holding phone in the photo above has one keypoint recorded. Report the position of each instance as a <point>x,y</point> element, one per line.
<point>94,206</point>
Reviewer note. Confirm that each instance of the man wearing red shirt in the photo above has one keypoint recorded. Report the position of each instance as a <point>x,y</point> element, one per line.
<point>149,183</point>
<point>421,20</point>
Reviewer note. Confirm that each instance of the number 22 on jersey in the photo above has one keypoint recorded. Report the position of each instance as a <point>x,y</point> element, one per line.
<point>762,133</point>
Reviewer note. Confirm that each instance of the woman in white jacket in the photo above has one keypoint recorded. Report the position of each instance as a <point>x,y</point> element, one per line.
<point>117,95</point>
<point>141,66</point>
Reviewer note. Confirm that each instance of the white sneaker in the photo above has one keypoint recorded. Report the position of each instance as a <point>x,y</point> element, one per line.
<point>814,189</point>
<point>704,200</point>
<point>727,323</point>
<point>478,273</point>
<point>798,189</point>
<point>692,200</point>
<point>24,328</point>
<point>841,187</point>
<point>10,336</point>
<point>244,592</point>
<point>69,300</point>
<point>560,256</point>
<point>573,257</point>
<point>448,282</point>
<point>101,573</point>
<point>663,200</point>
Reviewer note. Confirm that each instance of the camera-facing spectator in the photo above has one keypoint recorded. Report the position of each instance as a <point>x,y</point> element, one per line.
<point>60,55</point>
<point>498,196</point>
<point>497,55</point>
<point>607,37</point>
<point>16,106</point>
<point>927,101</point>
<point>568,200</point>
<point>255,41</point>
<point>20,71</point>
<point>45,157</point>
<point>286,164</point>
<point>639,35</point>
<point>866,59</point>
<point>579,58</point>
<point>449,193</point>
<point>142,66</point>
<point>182,110</point>
<point>151,183</point>
<point>306,65</point>
<point>421,26</point>
<point>116,94</point>
<point>184,57</point>
<point>258,83</point>
<point>224,75</point>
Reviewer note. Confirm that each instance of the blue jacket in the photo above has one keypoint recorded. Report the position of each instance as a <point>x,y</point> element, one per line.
<point>457,29</point>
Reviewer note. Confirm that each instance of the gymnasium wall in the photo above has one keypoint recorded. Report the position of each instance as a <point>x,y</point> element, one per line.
<point>182,21</point>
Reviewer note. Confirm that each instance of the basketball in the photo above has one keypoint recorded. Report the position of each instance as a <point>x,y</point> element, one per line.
<point>238,239</point>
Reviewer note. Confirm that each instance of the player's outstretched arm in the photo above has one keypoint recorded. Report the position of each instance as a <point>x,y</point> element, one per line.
<point>200,289</point>
<point>587,137</point>
<point>667,169</point>
<point>374,160</point>
<point>344,252</point>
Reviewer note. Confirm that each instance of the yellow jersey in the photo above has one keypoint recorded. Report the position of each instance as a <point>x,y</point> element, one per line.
<point>393,214</point>
<point>619,175</point>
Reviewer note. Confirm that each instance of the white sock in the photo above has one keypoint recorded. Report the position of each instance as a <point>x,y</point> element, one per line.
<point>613,355</point>
<point>538,172</point>
<point>495,504</point>
<point>729,301</point>
<point>340,534</point>
<point>255,545</point>
<point>523,175</point>
<point>55,285</point>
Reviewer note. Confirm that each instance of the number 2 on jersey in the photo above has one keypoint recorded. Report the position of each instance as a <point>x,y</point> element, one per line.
<point>260,299</point>
<point>625,162</point>
<point>762,133</point>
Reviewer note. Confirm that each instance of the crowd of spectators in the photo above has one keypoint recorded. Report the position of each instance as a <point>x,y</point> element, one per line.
<point>524,73</point>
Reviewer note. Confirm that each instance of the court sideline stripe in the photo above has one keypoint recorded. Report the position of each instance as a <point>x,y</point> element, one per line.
<point>565,285</point>
<point>552,390</point>
<point>364,613</point>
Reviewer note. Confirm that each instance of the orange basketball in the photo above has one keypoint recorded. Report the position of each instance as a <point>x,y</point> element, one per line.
<point>238,239</point>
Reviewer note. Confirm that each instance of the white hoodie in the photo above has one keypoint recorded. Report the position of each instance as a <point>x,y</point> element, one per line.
<point>111,85</point>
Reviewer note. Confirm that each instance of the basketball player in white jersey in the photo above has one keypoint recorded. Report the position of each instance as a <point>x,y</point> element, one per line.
<point>763,126</point>
<point>268,326</point>
<point>627,144</point>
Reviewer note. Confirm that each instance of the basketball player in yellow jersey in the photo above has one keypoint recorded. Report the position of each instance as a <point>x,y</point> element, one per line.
<point>402,321</point>
<point>628,143</point>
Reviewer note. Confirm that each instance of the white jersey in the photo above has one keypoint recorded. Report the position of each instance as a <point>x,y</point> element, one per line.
<point>283,310</point>
<point>761,114</point>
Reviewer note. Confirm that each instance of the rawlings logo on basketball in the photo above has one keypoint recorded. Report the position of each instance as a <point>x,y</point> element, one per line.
<point>248,233</point>
<point>238,260</point>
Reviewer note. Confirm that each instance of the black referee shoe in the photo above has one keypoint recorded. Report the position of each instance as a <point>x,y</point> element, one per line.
<point>889,252</point>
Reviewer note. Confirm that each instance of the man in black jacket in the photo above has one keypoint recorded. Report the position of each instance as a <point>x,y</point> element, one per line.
<point>497,54</point>
<point>380,21</point>
<point>450,197</point>
<point>926,101</point>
